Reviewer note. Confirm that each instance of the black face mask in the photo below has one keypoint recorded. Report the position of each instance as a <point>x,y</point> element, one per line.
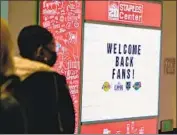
<point>53,59</point>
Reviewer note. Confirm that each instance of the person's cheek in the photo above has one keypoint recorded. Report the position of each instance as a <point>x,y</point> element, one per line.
<point>48,55</point>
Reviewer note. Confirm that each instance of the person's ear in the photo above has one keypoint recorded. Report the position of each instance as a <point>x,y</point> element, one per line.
<point>40,55</point>
<point>39,52</point>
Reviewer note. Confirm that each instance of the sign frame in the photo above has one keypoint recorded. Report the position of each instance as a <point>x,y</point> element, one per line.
<point>82,63</point>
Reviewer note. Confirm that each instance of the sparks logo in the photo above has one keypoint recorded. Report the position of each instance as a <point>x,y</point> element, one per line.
<point>137,85</point>
<point>125,11</point>
<point>106,86</point>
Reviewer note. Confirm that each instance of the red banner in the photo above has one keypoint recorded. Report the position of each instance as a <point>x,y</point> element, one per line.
<point>124,12</point>
<point>64,20</point>
<point>148,126</point>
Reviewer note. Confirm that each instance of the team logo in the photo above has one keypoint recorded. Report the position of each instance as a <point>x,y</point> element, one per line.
<point>106,86</point>
<point>137,85</point>
<point>128,85</point>
<point>118,87</point>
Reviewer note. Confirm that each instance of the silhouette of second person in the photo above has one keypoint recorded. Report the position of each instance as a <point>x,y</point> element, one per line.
<point>43,93</point>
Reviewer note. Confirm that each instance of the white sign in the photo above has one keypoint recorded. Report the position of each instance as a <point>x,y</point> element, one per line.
<point>120,72</point>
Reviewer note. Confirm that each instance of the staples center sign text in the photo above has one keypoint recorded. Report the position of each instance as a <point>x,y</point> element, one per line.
<point>125,11</point>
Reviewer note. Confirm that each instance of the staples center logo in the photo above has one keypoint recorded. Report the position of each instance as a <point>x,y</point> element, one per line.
<point>125,11</point>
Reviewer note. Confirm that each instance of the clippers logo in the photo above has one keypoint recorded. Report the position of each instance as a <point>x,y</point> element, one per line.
<point>118,87</point>
<point>128,85</point>
<point>137,85</point>
<point>125,11</point>
<point>106,86</point>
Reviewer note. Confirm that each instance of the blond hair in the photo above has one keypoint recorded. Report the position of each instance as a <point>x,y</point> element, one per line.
<point>6,50</point>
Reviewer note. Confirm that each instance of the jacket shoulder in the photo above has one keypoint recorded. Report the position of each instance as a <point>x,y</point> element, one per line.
<point>43,80</point>
<point>45,74</point>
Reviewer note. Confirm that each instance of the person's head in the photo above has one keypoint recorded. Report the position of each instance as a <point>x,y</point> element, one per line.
<point>37,43</point>
<point>6,50</point>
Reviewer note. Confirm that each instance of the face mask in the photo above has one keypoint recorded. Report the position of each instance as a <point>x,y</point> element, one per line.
<point>53,59</point>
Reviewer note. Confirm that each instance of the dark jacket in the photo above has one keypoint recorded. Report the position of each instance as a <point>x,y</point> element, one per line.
<point>44,98</point>
<point>11,114</point>
<point>48,105</point>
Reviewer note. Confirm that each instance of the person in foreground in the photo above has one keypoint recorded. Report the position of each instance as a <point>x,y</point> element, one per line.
<point>43,93</point>
<point>11,114</point>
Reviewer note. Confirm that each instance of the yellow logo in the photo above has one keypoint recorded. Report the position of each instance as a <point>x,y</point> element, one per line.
<point>106,86</point>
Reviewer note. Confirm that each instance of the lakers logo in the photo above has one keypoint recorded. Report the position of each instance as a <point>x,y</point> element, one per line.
<point>106,86</point>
